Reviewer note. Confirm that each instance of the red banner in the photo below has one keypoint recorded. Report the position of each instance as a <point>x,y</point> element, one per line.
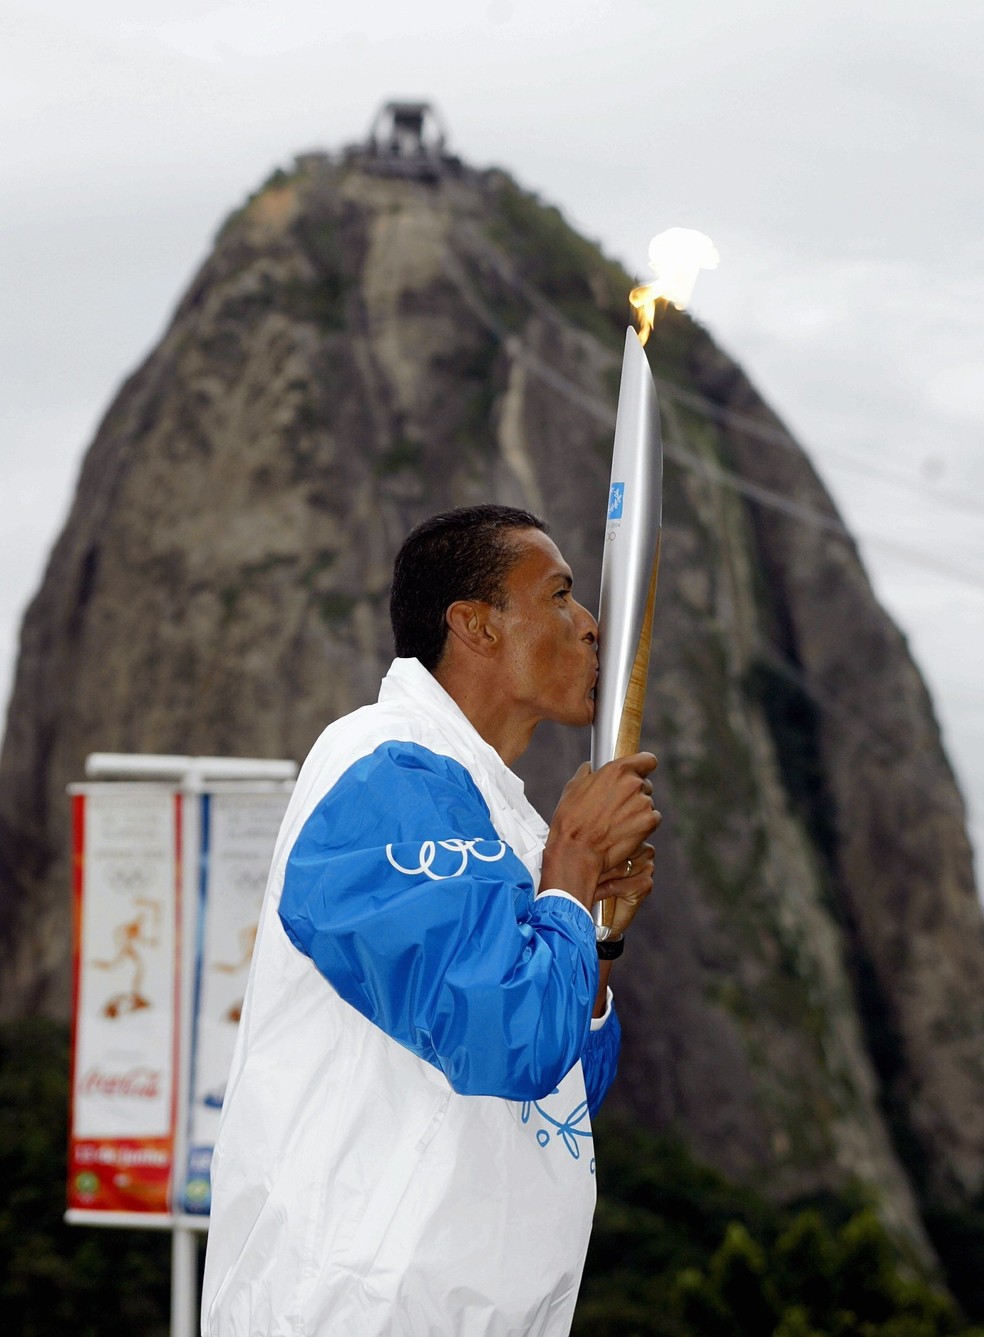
<point>127,903</point>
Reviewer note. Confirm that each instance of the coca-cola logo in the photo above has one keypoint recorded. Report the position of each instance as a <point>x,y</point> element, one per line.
<point>136,1084</point>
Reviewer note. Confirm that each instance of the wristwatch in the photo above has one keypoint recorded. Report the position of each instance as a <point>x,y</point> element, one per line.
<point>608,947</point>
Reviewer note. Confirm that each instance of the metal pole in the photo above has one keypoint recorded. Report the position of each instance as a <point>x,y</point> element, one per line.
<point>184,1250</point>
<point>190,775</point>
<point>130,766</point>
<point>184,1283</point>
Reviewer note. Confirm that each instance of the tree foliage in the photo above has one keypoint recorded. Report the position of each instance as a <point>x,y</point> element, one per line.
<point>679,1252</point>
<point>54,1277</point>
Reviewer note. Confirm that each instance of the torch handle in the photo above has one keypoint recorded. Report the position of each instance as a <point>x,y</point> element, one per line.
<point>630,724</point>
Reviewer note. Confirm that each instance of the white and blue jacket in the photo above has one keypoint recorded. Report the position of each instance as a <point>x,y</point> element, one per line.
<point>408,1151</point>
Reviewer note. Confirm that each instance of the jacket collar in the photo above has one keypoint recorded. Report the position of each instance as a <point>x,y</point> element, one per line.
<point>408,680</point>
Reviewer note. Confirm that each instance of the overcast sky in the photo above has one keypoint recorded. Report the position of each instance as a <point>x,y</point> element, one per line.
<point>831,150</point>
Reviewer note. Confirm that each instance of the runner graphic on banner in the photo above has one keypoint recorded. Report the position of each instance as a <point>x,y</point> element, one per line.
<point>239,831</point>
<point>126,906</point>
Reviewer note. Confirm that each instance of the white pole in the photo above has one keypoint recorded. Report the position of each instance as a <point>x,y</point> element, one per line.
<point>184,1283</point>
<point>140,766</point>
<point>184,1248</point>
<point>191,774</point>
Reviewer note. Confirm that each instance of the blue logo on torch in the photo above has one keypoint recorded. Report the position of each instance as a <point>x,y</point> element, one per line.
<point>615,499</point>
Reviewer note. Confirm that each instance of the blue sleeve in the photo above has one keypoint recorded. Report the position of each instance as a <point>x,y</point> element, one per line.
<point>404,897</point>
<point>599,1059</point>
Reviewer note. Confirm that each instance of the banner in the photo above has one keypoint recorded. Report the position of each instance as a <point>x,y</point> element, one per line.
<point>126,846</point>
<point>238,834</point>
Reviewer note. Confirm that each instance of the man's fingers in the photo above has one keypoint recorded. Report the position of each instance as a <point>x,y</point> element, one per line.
<point>633,889</point>
<point>628,876</point>
<point>643,763</point>
<point>610,811</point>
<point>634,772</point>
<point>642,858</point>
<point>625,884</point>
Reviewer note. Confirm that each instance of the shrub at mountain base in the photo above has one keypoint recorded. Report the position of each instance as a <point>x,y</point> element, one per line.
<point>677,1251</point>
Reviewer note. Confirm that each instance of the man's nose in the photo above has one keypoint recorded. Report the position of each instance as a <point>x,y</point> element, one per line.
<point>590,632</point>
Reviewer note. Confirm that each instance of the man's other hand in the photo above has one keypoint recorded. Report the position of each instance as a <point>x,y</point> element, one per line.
<point>627,886</point>
<point>602,822</point>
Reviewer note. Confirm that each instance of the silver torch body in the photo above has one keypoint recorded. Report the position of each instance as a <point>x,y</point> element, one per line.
<point>630,564</point>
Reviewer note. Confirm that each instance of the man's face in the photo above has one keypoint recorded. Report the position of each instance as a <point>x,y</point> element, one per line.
<point>549,655</point>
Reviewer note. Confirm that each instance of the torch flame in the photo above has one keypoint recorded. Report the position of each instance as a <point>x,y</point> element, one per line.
<point>675,256</point>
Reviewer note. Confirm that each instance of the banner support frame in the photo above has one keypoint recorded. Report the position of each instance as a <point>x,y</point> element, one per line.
<point>184,1243</point>
<point>190,777</point>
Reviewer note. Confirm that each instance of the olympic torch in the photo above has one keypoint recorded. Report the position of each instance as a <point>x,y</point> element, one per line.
<point>633,527</point>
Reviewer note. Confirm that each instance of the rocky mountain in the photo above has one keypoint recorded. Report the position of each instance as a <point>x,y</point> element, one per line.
<point>365,345</point>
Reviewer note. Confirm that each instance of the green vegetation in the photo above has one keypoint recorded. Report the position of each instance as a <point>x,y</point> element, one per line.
<point>228,599</point>
<point>323,562</point>
<point>792,717</point>
<point>249,578</point>
<point>577,279</point>
<point>324,301</point>
<point>56,1278</point>
<point>958,1236</point>
<point>320,302</point>
<point>726,856</point>
<point>336,607</point>
<point>793,720</point>
<point>478,373</point>
<point>403,454</point>
<point>677,1251</point>
<point>568,270</point>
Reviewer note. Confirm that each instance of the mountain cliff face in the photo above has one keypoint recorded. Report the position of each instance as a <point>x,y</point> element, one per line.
<point>804,998</point>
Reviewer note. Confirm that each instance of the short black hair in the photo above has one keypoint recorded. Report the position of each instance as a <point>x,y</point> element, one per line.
<point>461,554</point>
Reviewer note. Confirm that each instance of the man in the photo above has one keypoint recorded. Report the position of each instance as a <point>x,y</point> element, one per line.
<point>406,1143</point>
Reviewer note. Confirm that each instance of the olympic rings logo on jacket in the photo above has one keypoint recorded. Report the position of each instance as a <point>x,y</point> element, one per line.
<point>463,848</point>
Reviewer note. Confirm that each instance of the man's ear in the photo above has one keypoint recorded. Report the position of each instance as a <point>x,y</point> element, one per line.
<point>474,626</point>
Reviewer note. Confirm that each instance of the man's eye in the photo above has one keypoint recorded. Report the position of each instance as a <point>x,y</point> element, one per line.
<point>562,594</point>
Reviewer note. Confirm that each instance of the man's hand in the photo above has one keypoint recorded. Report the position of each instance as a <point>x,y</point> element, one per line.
<point>628,885</point>
<point>602,821</point>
